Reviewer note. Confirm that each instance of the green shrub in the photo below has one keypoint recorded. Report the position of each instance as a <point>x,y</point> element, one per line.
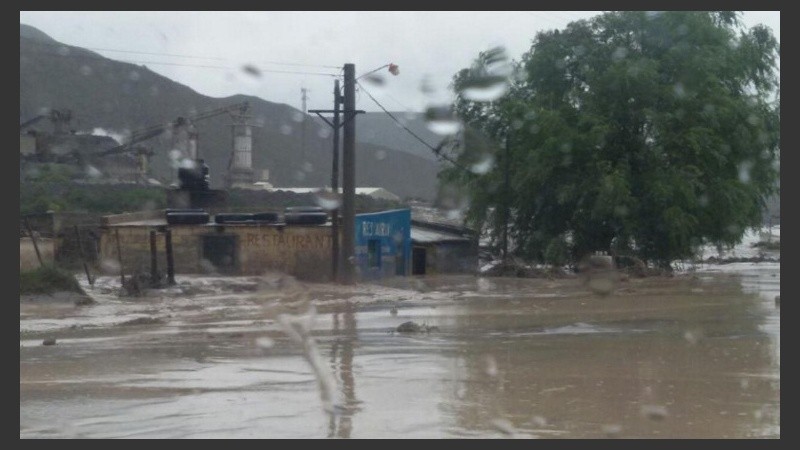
<point>47,279</point>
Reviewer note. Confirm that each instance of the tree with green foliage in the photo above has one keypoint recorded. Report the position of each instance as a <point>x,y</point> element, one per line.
<point>644,134</point>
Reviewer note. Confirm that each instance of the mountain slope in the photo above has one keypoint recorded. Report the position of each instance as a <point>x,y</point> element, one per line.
<point>121,97</point>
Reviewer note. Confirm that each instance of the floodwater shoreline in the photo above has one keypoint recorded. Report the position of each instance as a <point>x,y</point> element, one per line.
<point>693,355</point>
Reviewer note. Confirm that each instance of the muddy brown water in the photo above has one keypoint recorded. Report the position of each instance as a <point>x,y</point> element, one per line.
<point>694,356</point>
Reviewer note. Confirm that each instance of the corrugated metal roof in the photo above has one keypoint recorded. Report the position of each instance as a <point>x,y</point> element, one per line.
<point>424,236</point>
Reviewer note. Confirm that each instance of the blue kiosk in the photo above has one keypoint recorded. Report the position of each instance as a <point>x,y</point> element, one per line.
<point>383,244</point>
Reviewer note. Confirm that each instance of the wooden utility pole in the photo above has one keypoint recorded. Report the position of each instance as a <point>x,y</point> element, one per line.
<point>153,259</point>
<point>349,175</point>
<point>506,194</point>
<point>337,100</point>
<point>83,258</point>
<point>33,239</point>
<point>304,98</point>
<point>170,260</point>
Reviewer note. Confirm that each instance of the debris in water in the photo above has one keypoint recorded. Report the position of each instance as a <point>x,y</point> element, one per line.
<point>413,327</point>
<point>654,412</point>
<point>143,321</point>
<point>612,430</point>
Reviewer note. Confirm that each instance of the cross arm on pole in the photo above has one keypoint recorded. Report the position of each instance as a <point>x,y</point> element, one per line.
<point>319,113</point>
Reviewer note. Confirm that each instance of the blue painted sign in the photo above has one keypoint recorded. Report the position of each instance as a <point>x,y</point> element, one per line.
<point>383,244</point>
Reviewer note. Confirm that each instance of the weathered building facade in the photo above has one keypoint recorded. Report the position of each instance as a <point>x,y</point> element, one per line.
<point>303,251</point>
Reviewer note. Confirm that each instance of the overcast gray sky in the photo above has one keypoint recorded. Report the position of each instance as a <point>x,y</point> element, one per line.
<point>428,47</point>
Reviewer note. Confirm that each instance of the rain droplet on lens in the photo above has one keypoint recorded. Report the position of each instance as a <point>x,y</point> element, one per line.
<point>298,117</point>
<point>484,88</point>
<point>251,70</point>
<point>93,172</point>
<point>327,200</point>
<point>654,412</point>
<point>483,166</point>
<point>286,129</point>
<point>491,366</point>
<point>440,120</point>
<point>375,79</point>
<point>86,70</point>
<point>380,155</point>
<point>265,342</point>
<point>134,76</point>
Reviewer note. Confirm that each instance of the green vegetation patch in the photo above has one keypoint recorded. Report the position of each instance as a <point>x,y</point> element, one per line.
<point>47,279</point>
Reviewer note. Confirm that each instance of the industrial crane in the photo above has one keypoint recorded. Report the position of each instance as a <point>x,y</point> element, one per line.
<point>155,130</point>
<point>180,123</point>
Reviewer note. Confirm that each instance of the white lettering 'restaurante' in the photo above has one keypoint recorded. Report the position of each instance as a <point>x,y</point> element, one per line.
<point>376,229</point>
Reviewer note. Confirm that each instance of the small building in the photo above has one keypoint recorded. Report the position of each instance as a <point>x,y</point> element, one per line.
<point>303,251</point>
<point>440,249</point>
<point>383,244</point>
<point>71,237</point>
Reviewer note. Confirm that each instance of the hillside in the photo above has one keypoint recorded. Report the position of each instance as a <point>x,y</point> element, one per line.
<point>120,97</point>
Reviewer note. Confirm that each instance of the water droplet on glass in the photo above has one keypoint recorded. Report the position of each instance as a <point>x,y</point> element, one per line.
<point>441,120</point>
<point>327,200</point>
<point>375,79</point>
<point>300,175</point>
<point>188,163</point>
<point>324,133</point>
<point>483,166</point>
<point>286,129</point>
<point>134,76</point>
<point>308,167</point>
<point>485,89</point>
<point>174,154</point>
<point>744,171</point>
<point>109,265</point>
<point>63,51</point>
<point>86,70</point>
<point>298,117</point>
<point>425,85</point>
<point>504,426</point>
<point>265,342</point>
<point>612,430</point>
<point>251,70</point>
<point>679,90</point>
<point>619,54</point>
<point>691,336</point>
<point>539,421</point>
<point>491,366</point>
<point>93,172</point>
<point>380,155</point>
<point>654,412</point>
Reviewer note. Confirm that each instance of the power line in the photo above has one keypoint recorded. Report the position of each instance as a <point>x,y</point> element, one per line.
<point>436,150</point>
<point>176,55</point>
<point>204,66</point>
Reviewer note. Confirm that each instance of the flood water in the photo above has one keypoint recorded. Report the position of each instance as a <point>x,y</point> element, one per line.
<point>693,356</point>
